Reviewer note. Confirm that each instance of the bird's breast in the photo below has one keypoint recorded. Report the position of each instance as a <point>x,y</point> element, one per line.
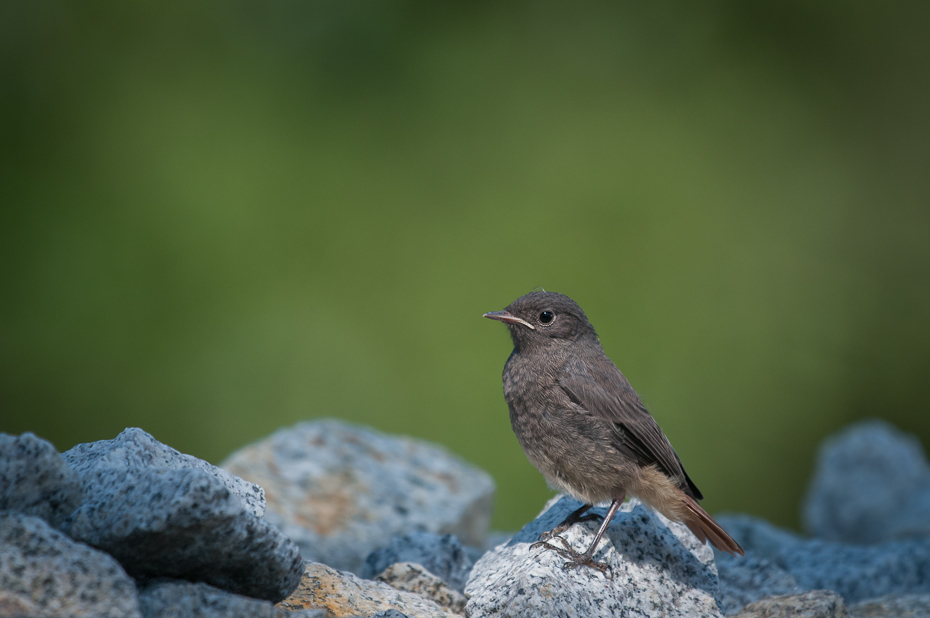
<point>570,447</point>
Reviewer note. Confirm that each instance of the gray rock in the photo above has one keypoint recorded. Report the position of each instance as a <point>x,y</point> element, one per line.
<point>813,604</point>
<point>444,556</point>
<point>913,520</point>
<point>856,572</point>
<point>659,569</point>
<point>748,579</point>
<point>44,573</point>
<point>180,599</point>
<point>342,491</point>
<point>893,606</point>
<point>871,483</point>
<point>134,448</point>
<point>389,613</point>
<point>184,524</point>
<point>343,595</point>
<point>35,480</point>
<point>860,572</point>
<point>412,577</point>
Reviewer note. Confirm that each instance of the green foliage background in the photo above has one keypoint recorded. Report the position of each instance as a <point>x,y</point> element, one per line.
<point>220,218</point>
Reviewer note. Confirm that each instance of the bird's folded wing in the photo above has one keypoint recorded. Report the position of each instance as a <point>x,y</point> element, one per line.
<point>602,390</point>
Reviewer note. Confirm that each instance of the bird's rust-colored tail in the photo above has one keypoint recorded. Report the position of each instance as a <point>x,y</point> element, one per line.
<point>705,528</point>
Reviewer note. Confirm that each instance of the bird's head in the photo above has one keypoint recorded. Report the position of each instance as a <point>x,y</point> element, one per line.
<point>543,318</point>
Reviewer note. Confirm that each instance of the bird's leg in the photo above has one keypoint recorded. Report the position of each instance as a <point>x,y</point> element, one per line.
<point>575,517</point>
<point>587,558</point>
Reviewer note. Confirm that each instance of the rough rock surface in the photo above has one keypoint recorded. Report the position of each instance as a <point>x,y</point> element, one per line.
<point>893,606</point>
<point>180,599</point>
<point>412,577</point>
<point>813,604</point>
<point>35,480</point>
<point>343,595</point>
<point>659,569</point>
<point>444,556</point>
<point>43,573</point>
<point>134,448</point>
<point>856,572</point>
<point>340,491</point>
<point>745,580</point>
<point>184,523</point>
<point>871,483</point>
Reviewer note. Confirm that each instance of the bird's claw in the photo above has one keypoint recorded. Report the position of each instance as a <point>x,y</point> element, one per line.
<point>581,560</point>
<point>575,559</point>
<point>545,543</point>
<point>548,536</point>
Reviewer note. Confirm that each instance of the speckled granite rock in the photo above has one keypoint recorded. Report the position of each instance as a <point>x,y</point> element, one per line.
<point>856,572</point>
<point>343,595</point>
<point>748,579</point>
<point>412,577</point>
<point>45,574</point>
<point>134,448</point>
<point>813,604</point>
<point>659,569</point>
<point>340,490</point>
<point>871,484</point>
<point>893,606</point>
<point>35,480</point>
<point>181,599</point>
<point>185,524</point>
<point>444,556</point>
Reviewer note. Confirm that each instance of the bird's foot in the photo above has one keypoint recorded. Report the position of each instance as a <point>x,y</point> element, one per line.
<point>575,559</point>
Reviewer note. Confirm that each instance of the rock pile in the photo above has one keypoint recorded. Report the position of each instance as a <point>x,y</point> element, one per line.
<point>130,527</point>
<point>868,512</point>
<point>87,532</point>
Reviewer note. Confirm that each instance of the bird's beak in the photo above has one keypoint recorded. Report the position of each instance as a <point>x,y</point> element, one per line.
<point>508,318</point>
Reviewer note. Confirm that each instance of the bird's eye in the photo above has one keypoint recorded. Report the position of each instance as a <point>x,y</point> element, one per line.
<point>546,317</point>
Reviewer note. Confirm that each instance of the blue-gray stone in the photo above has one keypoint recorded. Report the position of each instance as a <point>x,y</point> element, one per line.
<point>35,480</point>
<point>443,556</point>
<point>45,573</point>
<point>856,572</point>
<point>184,524</point>
<point>871,483</point>
<point>181,599</point>
<point>134,448</point>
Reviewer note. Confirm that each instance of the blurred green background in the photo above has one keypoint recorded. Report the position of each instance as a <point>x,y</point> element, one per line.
<point>220,218</point>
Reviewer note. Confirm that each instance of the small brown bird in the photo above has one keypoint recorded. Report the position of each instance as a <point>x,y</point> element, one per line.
<point>584,427</point>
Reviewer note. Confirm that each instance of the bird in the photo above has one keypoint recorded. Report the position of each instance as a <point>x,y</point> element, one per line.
<point>581,424</point>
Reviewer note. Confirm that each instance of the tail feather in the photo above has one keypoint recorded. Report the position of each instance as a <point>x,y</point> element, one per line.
<point>705,528</point>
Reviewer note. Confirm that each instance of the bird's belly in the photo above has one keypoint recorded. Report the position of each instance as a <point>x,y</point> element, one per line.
<point>574,453</point>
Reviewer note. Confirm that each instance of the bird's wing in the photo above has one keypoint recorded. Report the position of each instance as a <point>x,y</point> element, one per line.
<point>599,387</point>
